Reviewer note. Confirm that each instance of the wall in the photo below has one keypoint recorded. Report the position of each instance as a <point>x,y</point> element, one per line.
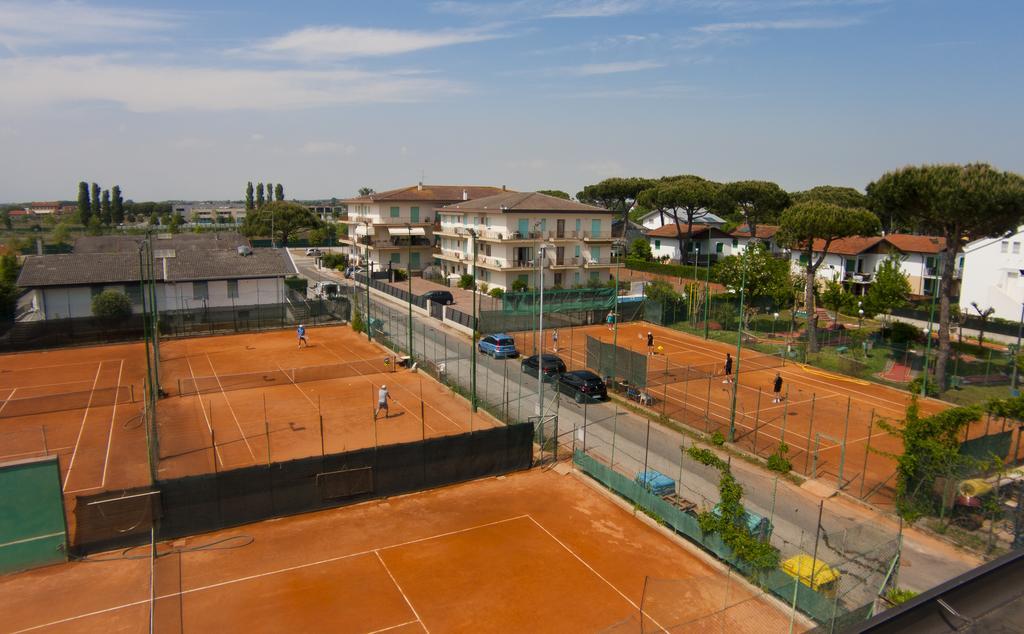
<point>992,278</point>
<point>181,295</point>
<point>61,302</point>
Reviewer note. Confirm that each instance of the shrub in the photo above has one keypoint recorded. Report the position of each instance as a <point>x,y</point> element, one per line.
<point>931,389</point>
<point>334,260</point>
<point>899,332</point>
<point>357,321</point>
<point>641,250</point>
<point>401,275</point>
<point>898,596</point>
<point>482,287</point>
<point>466,281</point>
<point>297,283</point>
<point>778,460</point>
<point>496,293</point>
<point>717,438</point>
<point>520,286</point>
<point>111,305</point>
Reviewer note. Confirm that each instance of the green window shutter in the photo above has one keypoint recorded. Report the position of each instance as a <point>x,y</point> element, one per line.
<point>396,258</point>
<point>657,244</point>
<point>394,212</point>
<point>718,247</point>
<point>576,275</point>
<point>414,214</point>
<point>595,253</point>
<point>577,250</point>
<point>414,260</point>
<point>595,228</point>
<point>523,227</point>
<point>579,225</point>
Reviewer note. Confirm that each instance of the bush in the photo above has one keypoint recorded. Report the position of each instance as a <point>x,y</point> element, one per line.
<point>915,387</point>
<point>334,260</point>
<point>496,293</point>
<point>466,281</point>
<point>401,275</point>
<point>297,283</point>
<point>520,286</point>
<point>778,461</point>
<point>111,305</point>
<point>898,596</point>
<point>482,287</point>
<point>357,321</point>
<point>717,438</point>
<point>899,332</point>
<point>641,250</point>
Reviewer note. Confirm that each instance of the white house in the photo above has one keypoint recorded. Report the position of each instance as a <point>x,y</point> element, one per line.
<point>992,275</point>
<point>396,227</point>
<point>765,234</point>
<point>510,229</point>
<point>705,240</point>
<point>192,274</point>
<point>655,220</point>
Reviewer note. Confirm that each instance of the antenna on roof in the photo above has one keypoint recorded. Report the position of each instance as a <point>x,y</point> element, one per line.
<point>420,187</point>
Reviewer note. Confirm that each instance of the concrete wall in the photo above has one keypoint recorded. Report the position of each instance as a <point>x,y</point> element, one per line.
<point>991,277</point>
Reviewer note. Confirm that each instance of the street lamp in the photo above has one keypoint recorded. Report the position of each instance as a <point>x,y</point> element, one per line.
<point>369,272</point>
<point>860,318</point>
<point>473,326</point>
<point>775,318</point>
<point>408,271</point>
<point>739,347</point>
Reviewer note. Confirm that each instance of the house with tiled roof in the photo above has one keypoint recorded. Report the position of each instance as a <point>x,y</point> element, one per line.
<point>668,241</point>
<point>508,230</point>
<point>395,228</point>
<point>194,273</point>
<point>765,235</point>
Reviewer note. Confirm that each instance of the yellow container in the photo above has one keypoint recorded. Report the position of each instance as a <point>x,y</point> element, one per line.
<point>807,569</point>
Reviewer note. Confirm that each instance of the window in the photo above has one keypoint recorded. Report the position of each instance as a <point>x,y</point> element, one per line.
<point>414,214</point>
<point>657,244</point>
<point>1004,246</point>
<point>929,283</point>
<point>851,265</point>
<point>523,278</point>
<point>577,250</point>
<point>1016,247</point>
<point>396,258</point>
<point>718,247</point>
<point>595,276</point>
<point>394,212</point>
<point>200,290</point>
<point>233,289</point>
<point>523,227</point>
<point>414,260</point>
<point>735,243</point>
<point>576,276</point>
<point>960,264</point>
<point>579,224</point>
<point>595,254</point>
<point>803,259</point>
<point>595,228</point>
<point>543,225</point>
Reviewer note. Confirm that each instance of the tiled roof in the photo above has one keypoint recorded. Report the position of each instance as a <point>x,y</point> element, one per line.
<point>916,244</point>
<point>524,201</point>
<point>764,232</point>
<point>853,245</point>
<point>699,231</point>
<point>73,269</point>
<point>442,194</point>
<point>178,241</point>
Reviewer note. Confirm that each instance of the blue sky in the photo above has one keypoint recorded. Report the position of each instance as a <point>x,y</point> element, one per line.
<point>189,100</point>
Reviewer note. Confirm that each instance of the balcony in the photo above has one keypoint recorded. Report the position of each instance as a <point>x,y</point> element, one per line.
<point>426,221</point>
<point>597,236</point>
<point>857,278</point>
<point>451,256</point>
<point>565,263</point>
<point>595,263</point>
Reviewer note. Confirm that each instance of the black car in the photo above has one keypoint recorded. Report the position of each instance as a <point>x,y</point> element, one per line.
<point>553,366</point>
<point>582,385</point>
<point>441,297</point>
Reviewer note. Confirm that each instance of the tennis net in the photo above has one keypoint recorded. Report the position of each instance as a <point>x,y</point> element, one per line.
<point>283,376</point>
<point>47,403</point>
<point>671,372</point>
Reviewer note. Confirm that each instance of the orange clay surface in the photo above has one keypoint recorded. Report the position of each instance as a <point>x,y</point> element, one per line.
<point>537,551</point>
<point>813,395</point>
<point>282,421</point>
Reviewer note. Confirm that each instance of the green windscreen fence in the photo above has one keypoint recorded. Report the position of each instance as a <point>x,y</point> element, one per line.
<point>617,362</point>
<point>32,528</point>
<point>559,300</point>
<point>987,447</point>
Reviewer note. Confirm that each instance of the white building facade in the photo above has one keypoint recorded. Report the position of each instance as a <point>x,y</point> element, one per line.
<point>992,275</point>
<point>510,229</point>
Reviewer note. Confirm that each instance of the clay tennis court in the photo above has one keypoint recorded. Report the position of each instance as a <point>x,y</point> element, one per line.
<point>536,551</point>
<point>821,411</point>
<point>243,400</point>
<point>83,405</point>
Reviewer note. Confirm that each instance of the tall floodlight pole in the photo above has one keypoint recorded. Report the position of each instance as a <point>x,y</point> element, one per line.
<point>369,269</point>
<point>928,345</point>
<point>739,348</point>
<point>540,328</point>
<point>472,338</point>
<point>408,270</point>
<point>707,286</point>
<point>615,332</point>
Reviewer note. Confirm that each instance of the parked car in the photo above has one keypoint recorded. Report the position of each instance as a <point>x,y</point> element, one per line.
<point>582,385</point>
<point>553,365</point>
<point>351,271</point>
<point>324,289</point>
<point>441,297</point>
<point>313,251</point>
<point>499,346</point>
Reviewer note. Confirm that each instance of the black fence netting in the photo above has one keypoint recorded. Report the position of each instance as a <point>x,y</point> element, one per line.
<point>48,403</point>
<point>284,376</point>
<point>196,504</point>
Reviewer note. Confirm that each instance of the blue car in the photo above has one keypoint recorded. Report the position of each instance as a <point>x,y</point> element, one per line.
<point>499,346</point>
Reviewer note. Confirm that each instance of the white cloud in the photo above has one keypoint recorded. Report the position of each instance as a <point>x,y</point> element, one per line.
<point>327,147</point>
<point>38,24</point>
<point>526,9</point>
<point>43,81</point>
<point>350,42</point>
<point>780,25</point>
<point>587,70</point>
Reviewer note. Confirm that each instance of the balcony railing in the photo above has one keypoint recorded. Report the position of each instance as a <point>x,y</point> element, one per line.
<point>857,278</point>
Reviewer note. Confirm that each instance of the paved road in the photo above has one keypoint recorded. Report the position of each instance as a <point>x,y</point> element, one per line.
<point>794,510</point>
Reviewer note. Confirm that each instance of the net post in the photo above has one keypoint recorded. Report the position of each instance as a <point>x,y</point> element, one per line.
<point>323,451</point>
<point>266,429</point>
<point>423,415</point>
<point>213,444</point>
<point>132,386</point>
<point>810,433</point>
<point>867,450</point>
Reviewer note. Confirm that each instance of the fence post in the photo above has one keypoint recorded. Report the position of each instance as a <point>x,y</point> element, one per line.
<point>757,417</point>
<point>842,450</point>
<point>810,432</point>
<point>867,450</point>
<point>785,415</point>
<point>647,446</point>
<point>615,430</point>
<point>707,409</point>
<point>817,536</point>
<point>686,391</point>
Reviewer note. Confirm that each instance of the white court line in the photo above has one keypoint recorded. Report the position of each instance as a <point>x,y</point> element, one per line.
<point>275,572</point>
<point>81,427</point>
<point>202,407</point>
<point>110,433</point>
<point>231,409</point>
<point>8,399</point>
<point>50,451</point>
<point>394,627</point>
<point>425,404</point>
<point>599,576</point>
<point>401,591</point>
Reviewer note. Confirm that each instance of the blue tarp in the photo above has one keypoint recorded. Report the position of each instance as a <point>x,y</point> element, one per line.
<point>656,482</point>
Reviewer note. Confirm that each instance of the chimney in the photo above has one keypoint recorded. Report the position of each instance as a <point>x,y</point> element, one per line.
<point>420,186</point>
<point>502,188</point>
<point>465,195</point>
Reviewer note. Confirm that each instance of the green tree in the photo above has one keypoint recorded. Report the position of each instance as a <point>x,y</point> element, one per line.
<point>8,223</point>
<point>836,297</point>
<point>326,234</point>
<point>752,203</point>
<point>640,249</point>
<point>366,191</point>
<point>760,275</point>
<point>62,232</point>
<point>983,316</point>
<point>270,192</point>
<point>259,196</point>
<point>84,208</point>
<point>808,222</point>
<point>691,195</point>
<point>175,223</point>
<point>842,196</point>
<point>105,209</point>
<point>557,193</point>
<point>95,227</point>
<point>285,218</point>
<point>890,289</point>
<point>615,194</point>
<point>279,191</point>
<point>111,305</point>
<point>249,202</point>
<point>116,206</point>
<point>661,291</point>
<point>957,202</point>
<point>466,281</point>
<point>94,203</point>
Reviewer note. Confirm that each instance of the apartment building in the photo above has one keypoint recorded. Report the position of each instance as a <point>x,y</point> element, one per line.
<point>992,276</point>
<point>396,228</point>
<point>509,230</point>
